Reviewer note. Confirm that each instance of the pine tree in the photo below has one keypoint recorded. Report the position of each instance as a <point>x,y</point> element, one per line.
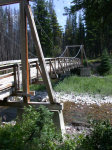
<point>50,33</point>
<point>56,30</point>
<point>105,66</point>
<point>98,24</point>
<point>69,31</point>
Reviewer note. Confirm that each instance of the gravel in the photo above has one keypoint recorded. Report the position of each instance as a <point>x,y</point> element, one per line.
<point>83,99</point>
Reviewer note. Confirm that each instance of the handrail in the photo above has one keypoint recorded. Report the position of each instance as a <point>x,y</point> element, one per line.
<point>54,66</point>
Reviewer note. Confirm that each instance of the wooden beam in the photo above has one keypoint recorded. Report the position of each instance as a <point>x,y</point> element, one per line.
<point>21,94</point>
<point>6,93</point>
<point>6,86</point>
<point>34,104</point>
<point>39,51</point>
<point>81,47</point>
<point>6,75</point>
<point>8,2</point>
<point>24,51</point>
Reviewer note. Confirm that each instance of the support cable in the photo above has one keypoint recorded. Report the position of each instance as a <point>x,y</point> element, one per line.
<point>64,52</point>
<point>77,53</point>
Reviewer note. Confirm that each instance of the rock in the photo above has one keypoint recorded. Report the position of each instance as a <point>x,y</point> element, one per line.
<point>83,124</point>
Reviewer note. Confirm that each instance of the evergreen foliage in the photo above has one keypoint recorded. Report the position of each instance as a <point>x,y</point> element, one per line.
<point>34,131</point>
<point>100,137</point>
<point>105,66</point>
<point>50,32</point>
<point>74,32</point>
<point>98,25</point>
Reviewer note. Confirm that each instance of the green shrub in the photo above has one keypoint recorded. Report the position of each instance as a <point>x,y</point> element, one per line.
<point>100,137</point>
<point>37,87</point>
<point>85,63</point>
<point>35,131</point>
<point>105,66</point>
<point>71,143</point>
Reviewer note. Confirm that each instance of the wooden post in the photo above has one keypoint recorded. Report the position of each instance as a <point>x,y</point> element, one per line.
<point>54,64</point>
<point>30,80</point>
<point>81,54</point>
<point>39,51</point>
<point>37,71</point>
<point>18,74</point>
<point>15,77</point>
<point>50,67</point>
<point>24,51</point>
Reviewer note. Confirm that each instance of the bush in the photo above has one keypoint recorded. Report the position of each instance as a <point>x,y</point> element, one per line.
<point>35,131</point>
<point>71,143</point>
<point>100,137</point>
<point>105,66</point>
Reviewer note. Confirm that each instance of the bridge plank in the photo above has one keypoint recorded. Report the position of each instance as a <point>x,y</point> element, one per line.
<point>6,92</point>
<point>6,86</point>
<point>6,75</point>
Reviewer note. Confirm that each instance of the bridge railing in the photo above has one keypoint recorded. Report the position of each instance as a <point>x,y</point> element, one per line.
<point>11,76</point>
<point>64,63</point>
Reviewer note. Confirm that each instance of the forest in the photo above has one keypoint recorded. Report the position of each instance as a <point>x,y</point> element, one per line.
<point>88,23</point>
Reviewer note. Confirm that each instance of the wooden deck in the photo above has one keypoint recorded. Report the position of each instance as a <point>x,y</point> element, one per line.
<point>11,74</point>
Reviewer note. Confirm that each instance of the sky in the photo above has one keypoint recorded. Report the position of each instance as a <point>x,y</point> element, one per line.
<point>59,8</point>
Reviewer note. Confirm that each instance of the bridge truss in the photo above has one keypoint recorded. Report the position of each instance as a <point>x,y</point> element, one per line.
<point>43,66</point>
<point>26,14</point>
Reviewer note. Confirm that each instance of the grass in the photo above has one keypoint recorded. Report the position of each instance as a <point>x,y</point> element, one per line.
<point>35,87</point>
<point>94,60</point>
<point>93,85</point>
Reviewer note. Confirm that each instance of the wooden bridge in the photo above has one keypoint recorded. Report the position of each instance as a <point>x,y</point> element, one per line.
<point>25,72</point>
<point>11,73</point>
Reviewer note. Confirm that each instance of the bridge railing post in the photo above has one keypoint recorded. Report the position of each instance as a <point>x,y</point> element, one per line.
<point>29,73</point>
<point>82,54</point>
<point>37,72</point>
<point>15,77</point>
<point>66,63</point>
<point>50,67</point>
<point>18,75</point>
<point>58,63</point>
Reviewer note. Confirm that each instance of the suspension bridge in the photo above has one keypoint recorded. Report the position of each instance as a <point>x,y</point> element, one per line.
<point>11,73</point>
<point>17,75</point>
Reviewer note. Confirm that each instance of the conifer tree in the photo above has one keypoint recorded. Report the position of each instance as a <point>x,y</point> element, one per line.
<point>50,33</point>
<point>105,66</point>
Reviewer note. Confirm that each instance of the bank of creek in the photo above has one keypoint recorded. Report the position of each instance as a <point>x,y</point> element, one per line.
<point>79,109</point>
